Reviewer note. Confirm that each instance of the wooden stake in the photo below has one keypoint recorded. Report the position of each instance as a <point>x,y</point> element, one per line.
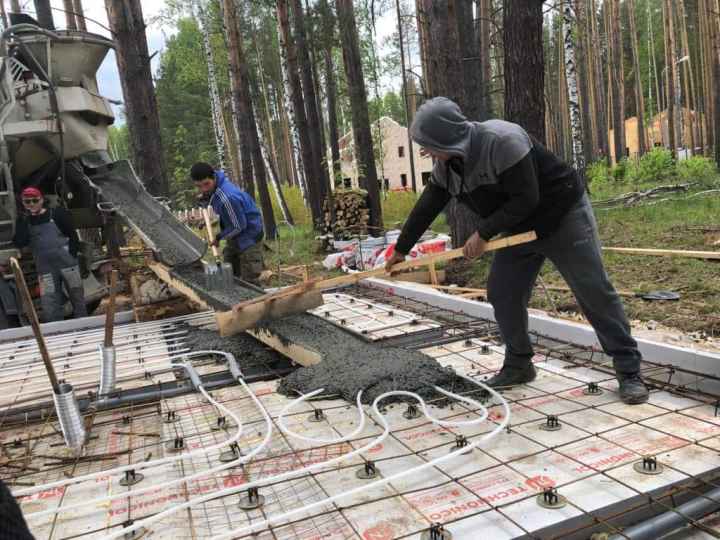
<point>35,323</point>
<point>110,313</point>
<point>433,274</point>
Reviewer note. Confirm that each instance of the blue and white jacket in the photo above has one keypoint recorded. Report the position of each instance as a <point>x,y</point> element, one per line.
<point>240,219</point>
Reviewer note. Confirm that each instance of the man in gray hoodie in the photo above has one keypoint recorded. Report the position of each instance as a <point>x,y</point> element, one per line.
<point>514,184</point>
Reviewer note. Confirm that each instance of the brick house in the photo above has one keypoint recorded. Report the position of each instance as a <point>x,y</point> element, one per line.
<point>393,166</point>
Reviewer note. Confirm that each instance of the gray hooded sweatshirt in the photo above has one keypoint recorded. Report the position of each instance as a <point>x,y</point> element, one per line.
<point>500,172</point>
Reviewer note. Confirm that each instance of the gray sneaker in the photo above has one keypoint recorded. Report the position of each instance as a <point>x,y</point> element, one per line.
<point>512,376</point>
<point>632,388</point>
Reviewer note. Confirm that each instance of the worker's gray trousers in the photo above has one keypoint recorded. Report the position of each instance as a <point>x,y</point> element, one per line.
<point>575,251</point>
<point>51,293</point>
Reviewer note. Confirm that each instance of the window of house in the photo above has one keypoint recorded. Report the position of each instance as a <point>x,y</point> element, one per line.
<point>403,180</point>
<point>425,178</point>
<point>347,182</point>
<point>386,181</point>
<point>401,151</point>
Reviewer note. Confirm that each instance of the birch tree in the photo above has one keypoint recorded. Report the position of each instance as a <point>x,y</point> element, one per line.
<point>299,113</point>
<point>289,113</point>
<point>214,92</point>
<point>568,23</point>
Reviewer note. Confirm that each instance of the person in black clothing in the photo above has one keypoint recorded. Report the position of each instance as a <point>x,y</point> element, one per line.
<point>55,243</point>
<point>12,522</point>
<point>514,184</point>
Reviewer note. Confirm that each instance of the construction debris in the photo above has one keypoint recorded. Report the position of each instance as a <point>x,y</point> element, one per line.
<point>635,197</point>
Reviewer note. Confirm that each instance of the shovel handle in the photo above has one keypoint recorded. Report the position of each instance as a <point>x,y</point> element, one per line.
<point>208,226</point>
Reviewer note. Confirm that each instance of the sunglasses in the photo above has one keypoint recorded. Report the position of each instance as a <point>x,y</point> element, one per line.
<point>31,201</point>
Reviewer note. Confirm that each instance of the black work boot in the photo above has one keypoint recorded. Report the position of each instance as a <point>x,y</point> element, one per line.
<point>510,376</point>
<point>632,388</point>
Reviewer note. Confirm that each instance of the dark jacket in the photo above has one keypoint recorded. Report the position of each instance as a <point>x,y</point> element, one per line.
<point>12,522</point>
<point>240,219</point>
<point>62,219</point>
<point>510,180</point>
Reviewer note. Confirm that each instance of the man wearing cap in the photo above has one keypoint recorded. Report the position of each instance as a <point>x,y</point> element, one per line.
<point>514,184</point>
<point>54,242</point>
<point>241,224</point>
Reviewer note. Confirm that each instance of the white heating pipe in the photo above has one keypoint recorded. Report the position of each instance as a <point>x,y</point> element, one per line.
<point>299,472</point>
<point>184,479</point>
<point>381,482</point>
<point>144,464</point>
<point>284,428</point>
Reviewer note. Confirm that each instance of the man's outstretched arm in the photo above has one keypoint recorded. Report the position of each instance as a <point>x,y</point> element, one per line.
<point>426,209</point>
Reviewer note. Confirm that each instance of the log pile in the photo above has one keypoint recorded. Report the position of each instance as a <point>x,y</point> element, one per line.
<point>351,213</point>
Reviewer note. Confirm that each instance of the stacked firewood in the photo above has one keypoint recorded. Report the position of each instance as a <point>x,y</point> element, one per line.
<point>351,213</point>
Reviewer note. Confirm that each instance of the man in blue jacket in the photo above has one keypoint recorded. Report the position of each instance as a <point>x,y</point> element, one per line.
<point>241,224</point>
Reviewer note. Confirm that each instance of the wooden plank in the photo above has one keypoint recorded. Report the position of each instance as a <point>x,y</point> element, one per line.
<point>297,353</point>
<point>358,276</point>
<point>163,272</point>
<point>666,252</point>
<point>231,322</point>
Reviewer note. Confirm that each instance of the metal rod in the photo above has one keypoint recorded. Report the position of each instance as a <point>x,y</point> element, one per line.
<point>672,520</point>
<point>35,323</point>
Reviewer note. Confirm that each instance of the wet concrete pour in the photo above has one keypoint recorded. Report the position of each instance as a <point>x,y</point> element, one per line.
<point>349,363</point>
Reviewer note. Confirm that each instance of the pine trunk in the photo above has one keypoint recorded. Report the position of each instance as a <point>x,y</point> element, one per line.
<point>484,14</point>
<point>331,91</point>
<point>298,111</point>
<point>581,54</point>
<point>715,24</point>
<point>706,49</point>
<point>700,96</point>
<point>524,65</point>
<point>445,68</point>
<point>131,52</point>
<point>639,96</point>
<point>246,180</point>
<point>471,64</point>
<point>214,92</point>
<point>246,113</point>
<point>320,176</point>
<point>364,154</point>
<point>689,78</point>
<point>70,23</point>
<point>79,15</point>
<point>617,77</point>
<point>670,70</point>
<point>601,103</point>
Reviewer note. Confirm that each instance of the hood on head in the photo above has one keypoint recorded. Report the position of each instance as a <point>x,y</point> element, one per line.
<point>439,124</point>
